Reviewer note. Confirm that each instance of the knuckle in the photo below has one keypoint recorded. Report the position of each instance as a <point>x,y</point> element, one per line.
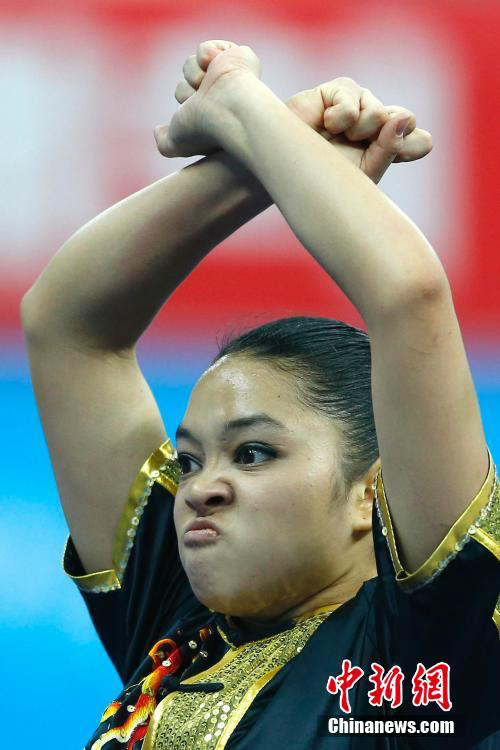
<point>185,67</point>
<point>202,52</point>
<point>192,71</point>
<point>380,116</point>
<point>189,62</point>
<point>350,114</point>
<point>343,114</point>
<point>346,80</point>
<point>427,142</point>
<point>203,46</point>
<point>178,92</point>
<point>183,91</point>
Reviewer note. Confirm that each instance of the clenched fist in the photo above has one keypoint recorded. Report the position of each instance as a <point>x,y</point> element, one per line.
<point>188,133</point>
<point>349,116</point>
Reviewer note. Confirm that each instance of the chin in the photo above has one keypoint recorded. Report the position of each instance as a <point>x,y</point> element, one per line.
<point>247,607</point>
<point>219,600</point>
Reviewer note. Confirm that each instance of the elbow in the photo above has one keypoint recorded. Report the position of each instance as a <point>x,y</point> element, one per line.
<point>35,317</point>
<point>428,287</point>
<point>421,281</point>
<point>30,315</point>
<point>422,288</point>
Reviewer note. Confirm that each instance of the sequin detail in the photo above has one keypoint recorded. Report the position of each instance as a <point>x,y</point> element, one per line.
<point>191,721</point>
<point>170,469</point>
<point>489,518</point>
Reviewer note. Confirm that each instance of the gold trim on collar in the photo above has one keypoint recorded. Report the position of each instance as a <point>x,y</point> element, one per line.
<point>479,513</point>
<point>318,611</point>
<point>207,720</point>
<point>327,609</point>
<point>160,467</point>
<point>243,707</point>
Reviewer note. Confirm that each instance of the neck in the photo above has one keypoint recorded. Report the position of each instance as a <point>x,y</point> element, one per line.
<point>337,593</point>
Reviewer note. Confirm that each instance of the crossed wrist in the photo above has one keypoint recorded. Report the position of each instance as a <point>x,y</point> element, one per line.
<point>242,97</point>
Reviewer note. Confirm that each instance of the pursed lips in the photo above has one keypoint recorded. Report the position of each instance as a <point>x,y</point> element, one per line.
<point>201,532</point>
<point>201,523</point>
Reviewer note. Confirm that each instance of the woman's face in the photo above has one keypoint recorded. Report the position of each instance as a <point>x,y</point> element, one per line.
<point>264,468</point>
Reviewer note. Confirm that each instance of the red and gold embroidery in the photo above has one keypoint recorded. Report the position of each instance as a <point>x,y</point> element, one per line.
<point>166,659</point>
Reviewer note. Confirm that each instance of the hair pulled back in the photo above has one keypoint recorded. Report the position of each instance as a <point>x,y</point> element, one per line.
<point>331,362</point>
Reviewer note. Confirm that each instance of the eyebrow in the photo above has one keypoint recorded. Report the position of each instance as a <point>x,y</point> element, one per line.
<point>253,420</point>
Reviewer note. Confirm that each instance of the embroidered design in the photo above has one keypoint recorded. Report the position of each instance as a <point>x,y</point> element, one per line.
<point>135,726</point>
<point>196,720</point>
<point>111,710</point>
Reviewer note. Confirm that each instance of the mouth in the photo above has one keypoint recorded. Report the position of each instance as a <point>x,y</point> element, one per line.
<point>201,532</point>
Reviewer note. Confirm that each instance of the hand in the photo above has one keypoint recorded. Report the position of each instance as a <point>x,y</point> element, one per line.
<point>342,112</point>
<point>360,126</point>
<point>216,65</point>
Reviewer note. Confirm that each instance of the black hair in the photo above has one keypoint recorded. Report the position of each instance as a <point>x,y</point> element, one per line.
<point>331,362</point>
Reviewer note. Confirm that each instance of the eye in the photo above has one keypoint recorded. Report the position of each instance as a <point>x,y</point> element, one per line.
<point>254,454</point>
<point>187,463</point>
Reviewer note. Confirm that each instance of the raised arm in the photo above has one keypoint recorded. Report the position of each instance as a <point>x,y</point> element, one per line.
<point>83,317</point>
<point>86,312</point>
<point>429,429</point>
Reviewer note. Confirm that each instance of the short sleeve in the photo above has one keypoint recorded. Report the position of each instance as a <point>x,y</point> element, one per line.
<point>445,612</point>
<point>147,590</point>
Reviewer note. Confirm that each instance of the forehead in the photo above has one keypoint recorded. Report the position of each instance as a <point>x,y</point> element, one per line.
<point>238,385</point>
<point>238,389</point>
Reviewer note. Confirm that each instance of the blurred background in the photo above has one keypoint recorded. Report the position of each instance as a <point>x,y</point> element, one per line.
<point>82,86</point>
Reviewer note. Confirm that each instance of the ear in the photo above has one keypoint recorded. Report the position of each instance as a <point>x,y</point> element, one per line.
<point>362,499</point>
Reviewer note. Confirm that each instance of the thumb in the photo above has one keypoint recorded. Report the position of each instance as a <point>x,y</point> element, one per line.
<point>386,148</point>
<point>208,50</point>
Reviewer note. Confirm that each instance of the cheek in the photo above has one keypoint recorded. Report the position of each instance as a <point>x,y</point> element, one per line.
<point>178,504</point>
<point>311,501</point>
<point>290,504</point>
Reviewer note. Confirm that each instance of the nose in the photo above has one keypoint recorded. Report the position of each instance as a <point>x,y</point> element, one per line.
<point>206,495</point>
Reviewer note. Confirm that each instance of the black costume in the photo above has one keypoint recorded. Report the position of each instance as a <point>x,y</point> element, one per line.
<point>193,679</point>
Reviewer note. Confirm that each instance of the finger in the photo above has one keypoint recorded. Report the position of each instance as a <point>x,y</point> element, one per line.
<point>415,146</point>
<point>382,152</point>
<point>209,49</point>
<point>372,116</point>
<point>192,72</point>
<point>394,109</point>
<point>344,110</point>
<point>183,91</point>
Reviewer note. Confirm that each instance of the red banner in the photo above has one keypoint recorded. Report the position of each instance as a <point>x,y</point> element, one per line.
<point>87,83</point>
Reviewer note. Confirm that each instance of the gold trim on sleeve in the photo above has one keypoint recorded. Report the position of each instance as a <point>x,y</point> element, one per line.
<point>160,467</point>
<point>470,525</point>
<point>90,581</point>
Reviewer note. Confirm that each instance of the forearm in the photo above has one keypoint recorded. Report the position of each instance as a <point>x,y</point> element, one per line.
<point>370,248</point>
<point>107,282</point>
